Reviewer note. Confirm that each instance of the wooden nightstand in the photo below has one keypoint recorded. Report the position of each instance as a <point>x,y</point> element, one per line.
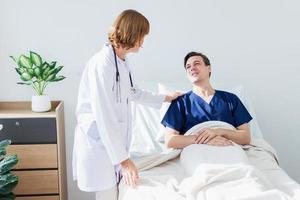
<point>38,140</point>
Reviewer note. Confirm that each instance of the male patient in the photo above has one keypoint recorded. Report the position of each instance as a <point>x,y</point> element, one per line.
<point>204,103</point>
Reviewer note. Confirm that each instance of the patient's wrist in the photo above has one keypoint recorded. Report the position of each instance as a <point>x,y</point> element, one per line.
<point>220,132</point>
<point>193,139</point>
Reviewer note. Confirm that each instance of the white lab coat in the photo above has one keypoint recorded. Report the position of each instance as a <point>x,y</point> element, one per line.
<point>102,134</point>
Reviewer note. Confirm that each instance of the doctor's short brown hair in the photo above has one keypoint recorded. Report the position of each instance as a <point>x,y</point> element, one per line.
<point>129,28</point>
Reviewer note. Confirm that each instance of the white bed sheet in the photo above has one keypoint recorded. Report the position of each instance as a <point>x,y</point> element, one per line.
<point>156,183</point>
<point>162,181</point>
<point>283,182</point>
<point>169,174</point>
<point>274,173</point>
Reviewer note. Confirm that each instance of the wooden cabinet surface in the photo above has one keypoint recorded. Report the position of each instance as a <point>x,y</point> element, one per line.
<point>39,142</point>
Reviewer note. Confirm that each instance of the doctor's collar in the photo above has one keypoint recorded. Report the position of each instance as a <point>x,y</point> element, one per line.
<point>109,45</point>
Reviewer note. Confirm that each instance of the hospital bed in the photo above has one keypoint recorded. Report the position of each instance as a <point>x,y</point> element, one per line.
<point>163,177</point>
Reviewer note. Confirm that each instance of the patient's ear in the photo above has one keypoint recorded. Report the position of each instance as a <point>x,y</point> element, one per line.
<point>209,68</point>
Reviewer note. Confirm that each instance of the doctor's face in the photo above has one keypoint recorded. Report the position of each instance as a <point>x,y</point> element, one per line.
<point>196,69</point>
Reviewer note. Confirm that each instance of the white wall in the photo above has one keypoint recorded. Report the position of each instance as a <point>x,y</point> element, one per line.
<point>254,43</point>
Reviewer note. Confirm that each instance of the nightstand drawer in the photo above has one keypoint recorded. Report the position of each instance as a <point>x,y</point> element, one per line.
<point>28,130</point>
<point>38,140</point>
<point>36,182</point>
<point>38,198</point>
<point>35,156</point>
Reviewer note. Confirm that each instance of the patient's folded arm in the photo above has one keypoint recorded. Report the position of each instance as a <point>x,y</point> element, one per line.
<point>240,136</point>
<point>174,140</point>
<point>219,141</point>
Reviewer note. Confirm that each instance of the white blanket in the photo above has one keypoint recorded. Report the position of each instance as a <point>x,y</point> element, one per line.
<point>147,162</point>
<point>212,173</point>
<point>220,182</point>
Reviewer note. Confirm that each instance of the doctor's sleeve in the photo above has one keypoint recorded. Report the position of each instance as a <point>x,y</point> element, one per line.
<point>147,98</point>
<point>104,109</point>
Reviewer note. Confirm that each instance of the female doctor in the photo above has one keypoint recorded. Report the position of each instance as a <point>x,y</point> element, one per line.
<point>102,134</point>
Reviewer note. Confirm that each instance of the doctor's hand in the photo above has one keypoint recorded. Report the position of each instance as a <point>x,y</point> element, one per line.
<point>171,97</point>
<point>129,173</point>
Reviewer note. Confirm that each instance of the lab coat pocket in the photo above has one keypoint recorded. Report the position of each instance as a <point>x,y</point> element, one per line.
<point>92,136</point>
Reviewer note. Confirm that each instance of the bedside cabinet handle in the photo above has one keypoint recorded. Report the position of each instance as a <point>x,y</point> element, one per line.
<point>1,127</point>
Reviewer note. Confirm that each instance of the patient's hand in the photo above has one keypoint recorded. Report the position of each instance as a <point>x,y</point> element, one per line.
<point>219,141</point>
<point>205,135</point>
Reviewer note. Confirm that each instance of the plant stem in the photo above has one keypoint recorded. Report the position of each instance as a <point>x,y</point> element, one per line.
<point>35,87</point>
<point>40,88</point>
<point>45,84</point>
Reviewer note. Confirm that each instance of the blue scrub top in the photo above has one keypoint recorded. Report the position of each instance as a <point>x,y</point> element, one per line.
<point>190,109</point>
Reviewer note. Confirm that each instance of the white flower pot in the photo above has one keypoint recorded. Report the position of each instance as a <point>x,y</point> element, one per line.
<point>40,103</point>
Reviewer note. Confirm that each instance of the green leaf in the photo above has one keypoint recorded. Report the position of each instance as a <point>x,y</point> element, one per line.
<point>50,77</point>
<point>37,72</point>
<point>52,64</point>
<point>35,59</point>
<point>14,59</point>
<point>8,163</point>
<point>5,143</point>
<point>21,83</point>
<point>57,69</point>
<point>45,72</point>
<point>59,78</point>
<point>9,196</point>
<point>26,76</point>
<point>30,71</point>
<point>19,71</point>
<point>52,71</point>
<point>22,70</point>
<point>24,62</point>
<point>45,65</point>
<point>8,182</point>
<point>2,152</point>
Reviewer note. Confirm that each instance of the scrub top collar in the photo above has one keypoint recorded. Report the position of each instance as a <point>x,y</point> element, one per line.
<point>200,99</point>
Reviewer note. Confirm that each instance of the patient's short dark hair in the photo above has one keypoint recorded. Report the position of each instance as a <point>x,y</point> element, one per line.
<point>194,53</point>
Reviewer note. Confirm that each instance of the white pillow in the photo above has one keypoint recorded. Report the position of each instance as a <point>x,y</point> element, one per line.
<point>254,127</point>
<point>145,130</point>
<point>239,91</point>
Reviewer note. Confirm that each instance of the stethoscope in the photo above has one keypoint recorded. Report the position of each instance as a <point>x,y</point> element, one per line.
<point>117,81</point>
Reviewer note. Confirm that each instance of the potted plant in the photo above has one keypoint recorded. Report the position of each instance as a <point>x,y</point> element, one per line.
<point>8,181</point>
<point>37,73</point>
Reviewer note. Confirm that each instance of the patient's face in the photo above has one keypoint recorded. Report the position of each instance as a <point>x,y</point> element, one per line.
<point>196,69</point>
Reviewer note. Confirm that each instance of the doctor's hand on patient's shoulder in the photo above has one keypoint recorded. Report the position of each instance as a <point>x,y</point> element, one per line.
<point>129,173</point>
<point>171,97</point>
